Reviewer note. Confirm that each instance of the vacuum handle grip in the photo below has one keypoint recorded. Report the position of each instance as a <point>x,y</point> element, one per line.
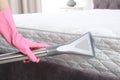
<point>13,57</point>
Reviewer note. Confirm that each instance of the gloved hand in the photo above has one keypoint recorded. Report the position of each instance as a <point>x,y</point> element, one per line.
<point>13,37</point>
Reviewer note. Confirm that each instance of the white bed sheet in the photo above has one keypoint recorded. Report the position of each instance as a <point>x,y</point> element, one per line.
<point>99,22</point>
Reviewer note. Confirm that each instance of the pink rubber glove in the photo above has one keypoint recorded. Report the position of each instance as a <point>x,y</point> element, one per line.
<point>13,37</point>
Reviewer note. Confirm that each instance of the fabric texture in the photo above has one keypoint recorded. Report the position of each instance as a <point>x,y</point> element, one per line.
<point>106,62</point>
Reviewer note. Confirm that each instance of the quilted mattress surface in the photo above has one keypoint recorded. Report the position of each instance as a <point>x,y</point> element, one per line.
<point>106,61</point>
<point>58,28</point>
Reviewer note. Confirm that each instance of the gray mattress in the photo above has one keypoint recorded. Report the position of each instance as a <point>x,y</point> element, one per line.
<point>107,49</point>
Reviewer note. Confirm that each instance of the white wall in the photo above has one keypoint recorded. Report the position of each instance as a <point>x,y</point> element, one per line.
<point>56,5</point>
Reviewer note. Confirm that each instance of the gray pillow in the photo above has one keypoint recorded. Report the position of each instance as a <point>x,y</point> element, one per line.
<point>106,4</point>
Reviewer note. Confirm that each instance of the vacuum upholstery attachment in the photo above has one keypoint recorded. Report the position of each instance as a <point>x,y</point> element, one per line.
<point>80,46</point>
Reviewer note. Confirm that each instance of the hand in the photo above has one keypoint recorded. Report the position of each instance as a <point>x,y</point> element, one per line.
<point>33,46</point>
<point>13,37</point>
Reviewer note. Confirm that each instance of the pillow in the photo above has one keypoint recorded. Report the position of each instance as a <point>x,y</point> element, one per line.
<point>106,4</point>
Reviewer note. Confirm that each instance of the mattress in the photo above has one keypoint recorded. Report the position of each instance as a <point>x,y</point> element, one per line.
<point>97,21</point>
<point>59,28</point>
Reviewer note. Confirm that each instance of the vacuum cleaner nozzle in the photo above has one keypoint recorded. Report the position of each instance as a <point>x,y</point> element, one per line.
<point>82,45</point>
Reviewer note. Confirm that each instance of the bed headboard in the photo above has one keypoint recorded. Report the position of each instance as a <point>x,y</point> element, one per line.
<point>106,4</point>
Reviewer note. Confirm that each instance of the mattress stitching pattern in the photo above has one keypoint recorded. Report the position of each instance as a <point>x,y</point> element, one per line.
<point>106,62</point>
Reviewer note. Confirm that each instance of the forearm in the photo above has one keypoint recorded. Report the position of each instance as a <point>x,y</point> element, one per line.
<point>3,4</point>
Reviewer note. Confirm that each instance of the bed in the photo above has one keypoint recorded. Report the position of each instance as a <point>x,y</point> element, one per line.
<point>102,22</point>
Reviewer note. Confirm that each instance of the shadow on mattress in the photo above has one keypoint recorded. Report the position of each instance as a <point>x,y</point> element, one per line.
<point>45,71</point>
